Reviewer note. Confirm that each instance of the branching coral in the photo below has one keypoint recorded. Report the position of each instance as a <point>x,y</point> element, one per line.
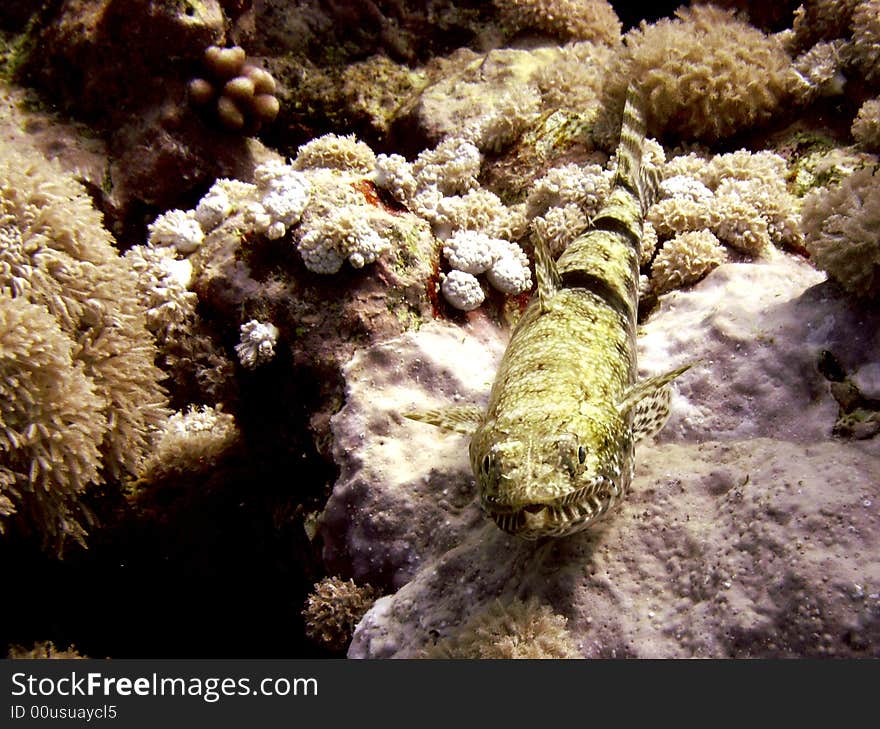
<point>820,70</point>
<point>518,629</point>
<point>61,276</point>
<point>705,75</point>
<point>242,94</point>
<point>176,228</point>
<point>334,609</point>
<point>593,20</point>
<point>842,229</point>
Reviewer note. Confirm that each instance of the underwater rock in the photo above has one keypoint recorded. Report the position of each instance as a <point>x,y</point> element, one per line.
<point>716,552</point>
<point>756,548</point>
<point>405,492</point>
<point>104,58</point>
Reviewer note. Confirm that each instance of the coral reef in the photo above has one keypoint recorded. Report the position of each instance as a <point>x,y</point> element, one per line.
<point>83,394</point>
<point>471,253</point>
<point>524,630</point>
<point>296,292</point>
<point>241,94</point>
<point>590,20</point>
<point>723,567</point>
<point>842,229</point>
<point>257,344</point>
<point>44,649</point>
<point>705,75</point>
<point>866,38</point>
<point>333,610</point>
<point>189,442</point>
<point>685,259</point>
<point>866,126</point>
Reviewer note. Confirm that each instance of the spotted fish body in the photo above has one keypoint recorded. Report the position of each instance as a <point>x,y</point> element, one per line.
<point>554,449</point>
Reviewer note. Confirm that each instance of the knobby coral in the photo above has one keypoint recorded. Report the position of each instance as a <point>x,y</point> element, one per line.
<point>80,389</point>
<point>243,95</point>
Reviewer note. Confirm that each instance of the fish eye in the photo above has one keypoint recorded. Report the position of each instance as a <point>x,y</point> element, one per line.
<point>582,455</point>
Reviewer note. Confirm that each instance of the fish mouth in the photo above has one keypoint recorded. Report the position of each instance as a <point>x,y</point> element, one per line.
<point>566,515</point>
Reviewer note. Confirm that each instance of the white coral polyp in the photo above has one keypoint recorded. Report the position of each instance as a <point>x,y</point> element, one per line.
<point>394,174</point>
<point>452,166</point>
<point>285,192</point>
<point>462,290</point>
<point>257,344</point>
<point>510,273</point>
<point>344,234</point>
<point>176,228</point>
<point>686,187</point>
<point>470,251</point>
<point>213,208</point>
<point>584,185</point>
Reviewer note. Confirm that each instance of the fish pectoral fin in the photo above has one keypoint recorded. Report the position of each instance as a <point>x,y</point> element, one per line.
<point>547,275</point>
<point>649,402</point>
<point>462,419</point>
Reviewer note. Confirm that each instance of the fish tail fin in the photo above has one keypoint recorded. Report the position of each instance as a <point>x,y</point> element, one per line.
<point>642,180</point>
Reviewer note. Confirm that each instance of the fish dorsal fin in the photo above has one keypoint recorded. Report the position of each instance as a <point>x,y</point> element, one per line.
<point>649,402</point>
<point>547,274</point>
<point>462,419</point>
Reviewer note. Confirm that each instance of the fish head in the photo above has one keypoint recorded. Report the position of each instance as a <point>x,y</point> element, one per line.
<point>549,485</point>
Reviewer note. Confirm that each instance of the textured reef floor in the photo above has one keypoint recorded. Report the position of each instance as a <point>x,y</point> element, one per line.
<point>750,530</point>
<point>233,255</point>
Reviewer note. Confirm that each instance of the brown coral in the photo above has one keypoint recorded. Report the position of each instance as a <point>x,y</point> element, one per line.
<point>705,75</point>
<point>45,649</point>
<point>842,228</point>
<point>243,95</point>
<point>81,392</point>
<point>866,38</point>
<point>822,20</point>
<point>334,609</point>
<point>50,422</point>
<point>866,126</point>
<point>593,20</point>
<point>514,630</point>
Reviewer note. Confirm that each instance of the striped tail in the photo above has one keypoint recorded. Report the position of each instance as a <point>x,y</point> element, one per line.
<point>605,258</point>
<point>642,181</point>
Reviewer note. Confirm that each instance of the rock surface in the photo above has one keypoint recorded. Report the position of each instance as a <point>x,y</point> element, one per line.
<point>749,530</point>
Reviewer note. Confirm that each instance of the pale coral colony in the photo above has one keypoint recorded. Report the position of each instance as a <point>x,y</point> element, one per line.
<point>511,145</point>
